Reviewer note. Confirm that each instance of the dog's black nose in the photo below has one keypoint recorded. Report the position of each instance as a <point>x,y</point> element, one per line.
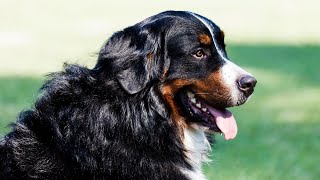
<point>247,84</point>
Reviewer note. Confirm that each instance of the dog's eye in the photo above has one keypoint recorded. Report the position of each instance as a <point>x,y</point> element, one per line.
<point>199,54</point>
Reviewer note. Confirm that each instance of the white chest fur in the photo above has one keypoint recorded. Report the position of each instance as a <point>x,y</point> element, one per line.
<point>197,149</point>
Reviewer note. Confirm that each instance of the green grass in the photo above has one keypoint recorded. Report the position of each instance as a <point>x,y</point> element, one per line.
<point>16,94</point>
<point>278,128</point>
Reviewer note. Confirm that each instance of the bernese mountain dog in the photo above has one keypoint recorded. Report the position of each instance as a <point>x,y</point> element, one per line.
<point>145,111</point>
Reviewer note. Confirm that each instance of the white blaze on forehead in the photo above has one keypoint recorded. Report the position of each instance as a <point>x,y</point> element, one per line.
<point>230,72</point>
<point>207,24</point>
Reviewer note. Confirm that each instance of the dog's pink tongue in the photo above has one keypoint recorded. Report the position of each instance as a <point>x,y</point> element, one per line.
<point>226,122</point>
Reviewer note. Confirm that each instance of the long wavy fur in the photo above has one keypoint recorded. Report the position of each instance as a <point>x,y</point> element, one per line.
<point>109,122</point>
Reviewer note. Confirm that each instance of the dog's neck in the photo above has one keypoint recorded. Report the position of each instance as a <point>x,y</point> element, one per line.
<point>197,148</point>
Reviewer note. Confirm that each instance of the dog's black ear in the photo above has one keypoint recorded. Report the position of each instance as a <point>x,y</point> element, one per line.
<point>134,56</point>
<point>135,78</point>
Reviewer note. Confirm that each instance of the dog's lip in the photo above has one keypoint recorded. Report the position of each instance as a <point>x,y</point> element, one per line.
<point>215,119</point>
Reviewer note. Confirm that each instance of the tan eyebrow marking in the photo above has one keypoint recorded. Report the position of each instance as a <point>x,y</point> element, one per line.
<point>205,39</point>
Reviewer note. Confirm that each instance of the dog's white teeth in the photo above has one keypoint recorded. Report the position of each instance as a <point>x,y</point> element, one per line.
<point>193,100</point>
<point>190,94</point>
<point>204,109</point>
<point>198,105</point>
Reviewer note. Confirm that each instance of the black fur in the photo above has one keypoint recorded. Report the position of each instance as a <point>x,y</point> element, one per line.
<point>110,122</point>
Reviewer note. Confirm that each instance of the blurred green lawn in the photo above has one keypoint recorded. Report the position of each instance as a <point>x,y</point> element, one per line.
<point>279,129</point>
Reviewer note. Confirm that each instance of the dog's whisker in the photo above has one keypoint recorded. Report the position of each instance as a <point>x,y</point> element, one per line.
<point>201,93</point>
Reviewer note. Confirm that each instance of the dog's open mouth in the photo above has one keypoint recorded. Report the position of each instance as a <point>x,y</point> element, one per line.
<point>211,119</point>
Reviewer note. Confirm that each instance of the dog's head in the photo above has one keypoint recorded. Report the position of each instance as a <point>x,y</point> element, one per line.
<point>183,55</point>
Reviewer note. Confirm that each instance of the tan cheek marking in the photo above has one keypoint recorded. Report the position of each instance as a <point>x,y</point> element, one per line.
<point>213,86</point>
<point>168,91</point>
<point>204,39</point>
